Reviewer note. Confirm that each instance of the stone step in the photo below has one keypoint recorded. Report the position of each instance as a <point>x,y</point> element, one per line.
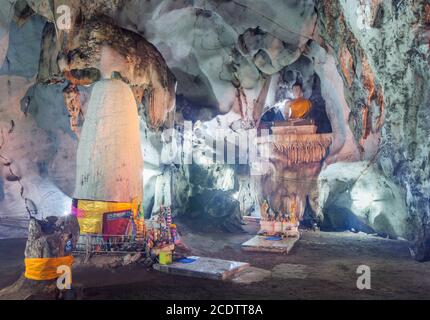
<point>203,267</point>
<point>261,244</point>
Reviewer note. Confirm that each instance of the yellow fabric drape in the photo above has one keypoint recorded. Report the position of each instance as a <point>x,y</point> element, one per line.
<point>300,108</point>
<point>92,221</point>
<point>45,268</point>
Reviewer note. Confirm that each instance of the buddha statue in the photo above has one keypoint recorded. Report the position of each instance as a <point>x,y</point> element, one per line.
<point>299,107</point>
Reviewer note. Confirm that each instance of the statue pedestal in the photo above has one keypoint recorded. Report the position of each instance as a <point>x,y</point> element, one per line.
<point>261,244</point>
<point>296,155</point>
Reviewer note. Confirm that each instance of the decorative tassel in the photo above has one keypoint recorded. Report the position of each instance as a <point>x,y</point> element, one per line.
<point>303,148</point>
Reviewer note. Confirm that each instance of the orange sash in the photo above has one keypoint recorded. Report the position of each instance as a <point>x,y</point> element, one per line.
<point>45,268</point>
<point>300,108</point>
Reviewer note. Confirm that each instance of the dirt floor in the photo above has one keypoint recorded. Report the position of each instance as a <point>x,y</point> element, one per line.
<point>322,265</point>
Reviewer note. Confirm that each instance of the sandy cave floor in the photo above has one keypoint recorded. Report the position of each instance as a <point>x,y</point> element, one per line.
<point>322,265</point>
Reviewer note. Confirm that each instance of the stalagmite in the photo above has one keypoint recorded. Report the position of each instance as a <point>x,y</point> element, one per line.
<point>109,156</point>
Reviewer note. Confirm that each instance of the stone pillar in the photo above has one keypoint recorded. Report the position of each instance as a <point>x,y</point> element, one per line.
<point>109,157</point>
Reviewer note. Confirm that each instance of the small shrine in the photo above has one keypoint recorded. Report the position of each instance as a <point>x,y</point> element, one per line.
<point>296,154</point>
<point>298,143</point>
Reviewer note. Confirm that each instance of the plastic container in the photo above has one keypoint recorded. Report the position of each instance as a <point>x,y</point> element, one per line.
<point>165,257</point>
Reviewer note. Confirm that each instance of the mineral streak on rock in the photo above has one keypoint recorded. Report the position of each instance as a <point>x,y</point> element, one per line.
<point>109,156</point>
<point>73,104</point>
<point>347,65</point>
<point>394,57</point>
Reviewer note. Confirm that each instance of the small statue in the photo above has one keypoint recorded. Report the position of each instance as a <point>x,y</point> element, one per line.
<point>264,209</point>
<point>150,239</point>
<point>299,107</point>
<point>69,245</point>
<point>293,209</point>
<point>271,215</point>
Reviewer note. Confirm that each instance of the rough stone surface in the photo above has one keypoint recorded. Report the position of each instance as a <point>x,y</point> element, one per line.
<point>109,157</point>
<point>232,60</point>
<point>47,238</point>
<point>207,268</point>
<point>216,207</point>
<point>390,55</point>
<point>359,190</point>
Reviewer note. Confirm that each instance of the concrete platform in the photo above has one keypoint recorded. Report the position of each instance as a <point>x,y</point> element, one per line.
<point>260,244</point>
<point>207,268</point>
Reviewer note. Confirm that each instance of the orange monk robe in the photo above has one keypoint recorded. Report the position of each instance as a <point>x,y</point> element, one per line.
<point>300,108</point>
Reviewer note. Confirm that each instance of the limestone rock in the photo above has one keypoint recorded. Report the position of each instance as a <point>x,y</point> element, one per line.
<point>348,190</point>
<point>98,49</point>
<point>47,238</point>
<point>217,208</point>
<point>391,80</point>
<point>109,157</point>
<point>6,14</point>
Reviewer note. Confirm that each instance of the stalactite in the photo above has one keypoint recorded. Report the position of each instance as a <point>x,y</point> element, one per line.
<point>73,105</point>
<point>260,102</point>
<point>246,110</point>
<point>251,112</point>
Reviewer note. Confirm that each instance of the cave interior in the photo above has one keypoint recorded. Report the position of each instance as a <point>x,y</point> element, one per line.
<point>178,107</point>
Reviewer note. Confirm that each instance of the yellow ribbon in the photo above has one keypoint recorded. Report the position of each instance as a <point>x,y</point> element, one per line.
<point>45,268</point>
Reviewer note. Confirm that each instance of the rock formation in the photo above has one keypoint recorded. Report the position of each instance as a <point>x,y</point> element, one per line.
<point>388,45</point>
<point>52,237</point>
<point>95,49</point>
<point>364,65</point>
<point>47,238</point>
<point>109,156</point>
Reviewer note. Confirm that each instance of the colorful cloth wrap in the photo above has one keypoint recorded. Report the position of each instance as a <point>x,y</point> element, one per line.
<point>300,108</point>
<point>90,213</point>
<point>45,268</point>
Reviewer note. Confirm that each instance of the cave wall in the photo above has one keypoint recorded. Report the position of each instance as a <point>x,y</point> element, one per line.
<point>37,149</point>
<point>383,56</point>
<point>232,60</point>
